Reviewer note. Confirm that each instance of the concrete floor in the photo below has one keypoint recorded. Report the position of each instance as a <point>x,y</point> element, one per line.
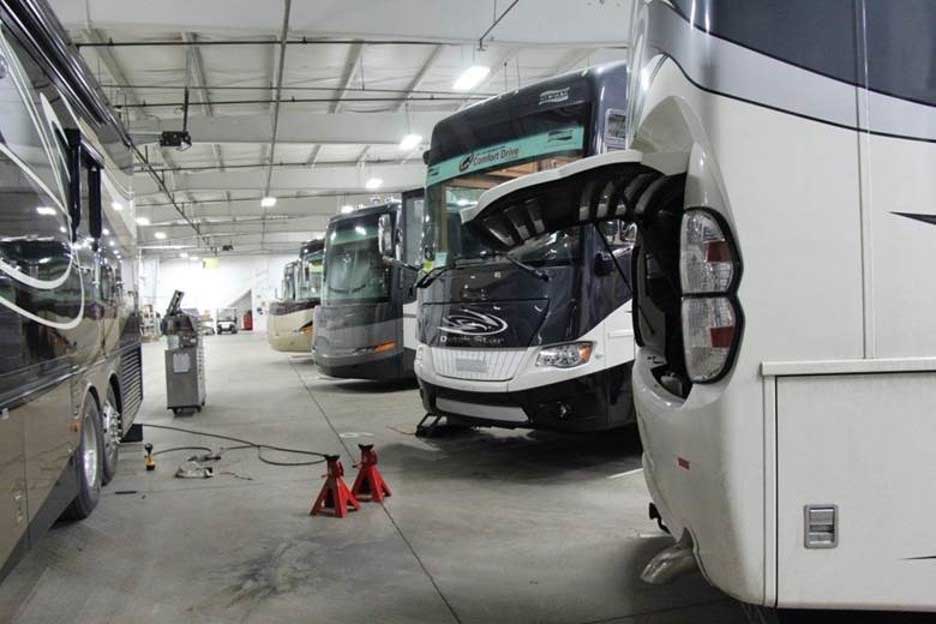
<point>486,526</point>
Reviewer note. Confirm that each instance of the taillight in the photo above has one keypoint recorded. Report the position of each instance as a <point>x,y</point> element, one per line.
<point>709,268</point>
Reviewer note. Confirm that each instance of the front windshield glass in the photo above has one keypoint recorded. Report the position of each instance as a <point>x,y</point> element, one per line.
<point>310,276</point>
<point>451,243</point>
<point>354,269</point>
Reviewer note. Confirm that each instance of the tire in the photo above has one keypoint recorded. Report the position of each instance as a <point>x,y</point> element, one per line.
<point>111,431</point>
<point>89,464</point>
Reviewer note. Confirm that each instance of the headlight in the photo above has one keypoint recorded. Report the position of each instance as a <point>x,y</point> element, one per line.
<point>564,355</point>
<point>420,350</point>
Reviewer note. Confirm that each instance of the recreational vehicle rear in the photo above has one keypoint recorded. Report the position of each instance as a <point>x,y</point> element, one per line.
<point>781,179</point>
<point>70,382</point>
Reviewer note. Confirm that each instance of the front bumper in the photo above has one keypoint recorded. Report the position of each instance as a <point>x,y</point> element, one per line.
<point>587,403</point>
<point>397,364</point>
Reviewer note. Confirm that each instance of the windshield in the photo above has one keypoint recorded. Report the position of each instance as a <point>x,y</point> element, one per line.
<point>354,268</point>
<point>289,282</point>
<point>449,242</point>
<point>310,276</point>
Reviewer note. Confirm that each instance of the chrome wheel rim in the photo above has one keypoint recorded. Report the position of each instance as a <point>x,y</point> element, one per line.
<point>111,432</point>
<point>90,451</point>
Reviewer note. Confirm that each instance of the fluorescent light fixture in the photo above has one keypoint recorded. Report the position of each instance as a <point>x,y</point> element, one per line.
<point>142,221</point>
<point>347,209</point>
<point>471,77</point>
<point>373,184</point>
<point>184,254</point>
<point>46,211</point>
<point>116,205</point>
<point>267,202</point>
<point>410,142</point>
<point>193,258</point>
<point>160,235</point>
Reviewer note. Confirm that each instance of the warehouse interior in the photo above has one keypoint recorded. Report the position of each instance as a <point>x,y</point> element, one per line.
<point>505,311</point>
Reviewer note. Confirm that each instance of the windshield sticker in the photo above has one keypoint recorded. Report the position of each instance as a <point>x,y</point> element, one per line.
<point>526,148</point>
<point>554,96</point>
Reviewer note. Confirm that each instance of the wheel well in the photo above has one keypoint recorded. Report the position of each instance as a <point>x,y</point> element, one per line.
<point>115,385</point>
<point>93,393</point>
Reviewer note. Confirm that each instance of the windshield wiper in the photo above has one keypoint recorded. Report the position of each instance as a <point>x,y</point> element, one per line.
<point>542,275</point>
<point>431,276</point>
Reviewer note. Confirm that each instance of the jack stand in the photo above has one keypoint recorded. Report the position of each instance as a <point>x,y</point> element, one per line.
<point>150,464</point>
<point>427,431</point>
<point>335,496</point>
<point>369,481</point>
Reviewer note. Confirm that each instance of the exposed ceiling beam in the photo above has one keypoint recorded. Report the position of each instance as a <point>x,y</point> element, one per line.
<point>198,73</point>
<point>410,88</point>
<point>591,24</point>
<point>343,179</point>
<point>352,62</point>
<point>294,128</point>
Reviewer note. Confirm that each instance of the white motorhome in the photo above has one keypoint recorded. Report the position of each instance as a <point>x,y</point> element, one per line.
<point>781,175</point>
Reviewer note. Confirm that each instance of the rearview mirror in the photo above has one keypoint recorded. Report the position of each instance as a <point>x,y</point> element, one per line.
<point>607,186</point>
<point>385,236</point>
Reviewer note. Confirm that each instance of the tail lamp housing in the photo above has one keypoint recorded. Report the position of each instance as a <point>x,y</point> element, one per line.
<point>709,272</point>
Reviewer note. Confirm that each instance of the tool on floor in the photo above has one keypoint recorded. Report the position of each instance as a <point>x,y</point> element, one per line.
<point>335,497</point>
<point>150,463</point>
<point>369,482</point>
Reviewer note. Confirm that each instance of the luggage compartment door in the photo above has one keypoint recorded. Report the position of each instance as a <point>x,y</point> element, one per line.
<point>859,452</point>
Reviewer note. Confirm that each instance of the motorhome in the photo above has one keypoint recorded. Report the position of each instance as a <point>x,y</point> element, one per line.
<point>781,178</point>
<point>70,365</point>
<point>539,336</point>
<point>366,325</point>
<point>290,325</point>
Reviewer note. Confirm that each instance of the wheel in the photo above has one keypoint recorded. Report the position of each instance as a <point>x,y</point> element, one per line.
<point>112,431</point>
<point>89,464</point>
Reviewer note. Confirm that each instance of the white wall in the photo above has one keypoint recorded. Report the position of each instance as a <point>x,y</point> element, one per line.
<point>211,289</point>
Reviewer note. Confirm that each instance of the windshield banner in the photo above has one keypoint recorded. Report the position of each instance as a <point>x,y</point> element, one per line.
<point>526,148</point>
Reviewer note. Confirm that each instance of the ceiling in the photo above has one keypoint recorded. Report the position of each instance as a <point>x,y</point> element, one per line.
<point>307,101</point>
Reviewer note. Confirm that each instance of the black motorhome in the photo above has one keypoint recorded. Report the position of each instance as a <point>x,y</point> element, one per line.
<point>366,325</point>
<point>540,336</point>
<point>70,378</point>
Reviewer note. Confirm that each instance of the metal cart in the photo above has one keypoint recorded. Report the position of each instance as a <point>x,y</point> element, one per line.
<point>185,359</point>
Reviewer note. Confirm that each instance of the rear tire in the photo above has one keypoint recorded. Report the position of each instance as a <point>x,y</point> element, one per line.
<point>89,464</point>
<point>112,431</point>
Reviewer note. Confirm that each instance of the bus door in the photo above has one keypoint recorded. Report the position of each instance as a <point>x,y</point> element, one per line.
<point>410,239</point>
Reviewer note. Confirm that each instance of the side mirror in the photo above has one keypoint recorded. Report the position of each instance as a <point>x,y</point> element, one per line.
<point>604,264</point>
<point>385,236</point>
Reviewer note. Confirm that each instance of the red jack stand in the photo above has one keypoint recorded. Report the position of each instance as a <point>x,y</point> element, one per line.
<point>335,496</point>
<point>369,482</point>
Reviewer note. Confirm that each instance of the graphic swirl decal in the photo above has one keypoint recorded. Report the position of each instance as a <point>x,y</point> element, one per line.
<point>472,323</point>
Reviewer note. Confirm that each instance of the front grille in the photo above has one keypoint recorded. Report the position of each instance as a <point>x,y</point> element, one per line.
<point>477,364</point>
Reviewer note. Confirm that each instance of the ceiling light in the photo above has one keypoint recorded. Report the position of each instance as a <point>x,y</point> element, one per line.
<point>267,202</point>
<point>46,211</point>
<point>113,243</point>
<point>160,235</point>
<point>347,209</point>
<point>142,221</point>
<point>105,232</point>
<point>184,254</point>
<point>116,205</point>
<point>62,229</point>
<point>410,142</point>
<point>471,77</point>
<point>373,184</point>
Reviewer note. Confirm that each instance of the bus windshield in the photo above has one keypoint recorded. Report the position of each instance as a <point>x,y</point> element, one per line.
<point>310,276</point>
<point>354,269</point>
